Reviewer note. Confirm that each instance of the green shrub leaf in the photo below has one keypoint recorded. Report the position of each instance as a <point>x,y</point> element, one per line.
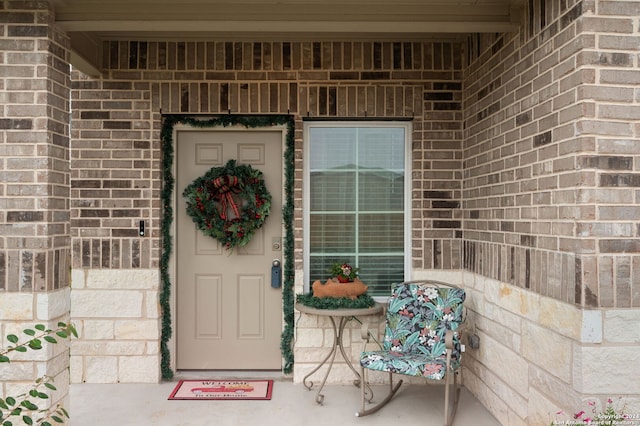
<point>29,405</point>
<point>22,406</point>
<point>35,344</point>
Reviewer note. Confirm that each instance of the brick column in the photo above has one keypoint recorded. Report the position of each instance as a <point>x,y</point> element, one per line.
<point>34,188</point>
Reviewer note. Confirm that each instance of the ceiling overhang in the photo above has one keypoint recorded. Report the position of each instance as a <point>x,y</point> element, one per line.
<point>91,22</point>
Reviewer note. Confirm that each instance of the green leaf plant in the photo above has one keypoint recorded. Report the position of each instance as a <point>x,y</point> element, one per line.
<point>24,407</point>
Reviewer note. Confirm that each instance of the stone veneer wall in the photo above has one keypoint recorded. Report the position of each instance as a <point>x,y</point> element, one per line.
<point>550,211</point>
<point>116,165</point>
<point>34,191</point>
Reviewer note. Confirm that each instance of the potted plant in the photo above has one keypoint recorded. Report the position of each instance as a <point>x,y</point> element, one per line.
<point>341,273</point>
<point>344,272</point>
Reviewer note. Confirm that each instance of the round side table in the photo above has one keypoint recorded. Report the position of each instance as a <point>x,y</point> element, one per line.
<point>339,319</point>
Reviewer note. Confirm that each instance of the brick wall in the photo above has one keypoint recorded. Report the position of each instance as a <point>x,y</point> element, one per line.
<point>115,168</point>
<point>550,188</point>
<point>115,177</point>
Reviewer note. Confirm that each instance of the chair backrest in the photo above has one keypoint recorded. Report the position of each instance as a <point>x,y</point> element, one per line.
<point>418,316</point>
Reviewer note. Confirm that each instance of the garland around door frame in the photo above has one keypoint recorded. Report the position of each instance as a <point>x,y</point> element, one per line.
<point>248,121</point>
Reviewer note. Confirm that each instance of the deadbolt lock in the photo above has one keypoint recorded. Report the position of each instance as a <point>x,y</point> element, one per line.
<point>276,244</point>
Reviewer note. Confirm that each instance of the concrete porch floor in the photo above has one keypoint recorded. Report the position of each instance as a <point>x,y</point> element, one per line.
<point>291,404</point>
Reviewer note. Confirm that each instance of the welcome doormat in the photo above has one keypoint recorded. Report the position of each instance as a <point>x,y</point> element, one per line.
<point>222,389</point>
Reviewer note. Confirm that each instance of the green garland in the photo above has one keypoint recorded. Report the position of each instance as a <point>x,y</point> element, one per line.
<point>239,188</point>
<point>361,302</point>
<point>167,245</point>
<point>169,121</point>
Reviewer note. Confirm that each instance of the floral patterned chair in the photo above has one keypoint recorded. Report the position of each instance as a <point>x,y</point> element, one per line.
<point>422,338</point>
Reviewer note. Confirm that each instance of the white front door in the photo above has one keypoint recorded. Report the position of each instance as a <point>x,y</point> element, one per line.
<point>228,315</point>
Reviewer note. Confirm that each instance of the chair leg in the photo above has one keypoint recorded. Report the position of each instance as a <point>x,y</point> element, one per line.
<point>392,391</point>
<point>451,401</point>
<point>363,387</point>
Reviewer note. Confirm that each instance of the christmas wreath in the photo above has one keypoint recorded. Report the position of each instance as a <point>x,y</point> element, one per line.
<point>229,203</point>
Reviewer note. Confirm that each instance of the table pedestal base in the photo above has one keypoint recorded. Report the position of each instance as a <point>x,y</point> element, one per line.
<point>337,345</point>
<point>344,316</point>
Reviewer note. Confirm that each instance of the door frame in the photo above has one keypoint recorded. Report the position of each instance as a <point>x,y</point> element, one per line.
<point>171,123</point>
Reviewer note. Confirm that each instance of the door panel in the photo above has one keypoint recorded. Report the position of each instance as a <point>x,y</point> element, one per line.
<point>208,293</point>
<point>228,315</point>
<point>250,310</point>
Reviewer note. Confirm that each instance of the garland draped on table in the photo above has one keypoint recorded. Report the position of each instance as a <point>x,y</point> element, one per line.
<point>361,302</point>
<point>169,121</point>
<point>229,203</point>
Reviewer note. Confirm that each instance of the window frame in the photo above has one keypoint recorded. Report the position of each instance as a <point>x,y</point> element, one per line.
<point>306,199</point>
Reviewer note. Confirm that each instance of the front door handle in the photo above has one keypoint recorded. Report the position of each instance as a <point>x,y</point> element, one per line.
<point>276,273</point>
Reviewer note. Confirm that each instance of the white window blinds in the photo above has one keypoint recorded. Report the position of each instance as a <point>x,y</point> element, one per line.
<point>356,182</point>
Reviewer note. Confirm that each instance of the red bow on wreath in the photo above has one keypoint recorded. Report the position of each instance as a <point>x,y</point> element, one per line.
<point>227,186</point>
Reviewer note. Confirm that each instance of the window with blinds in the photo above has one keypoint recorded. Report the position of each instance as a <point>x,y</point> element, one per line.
<point>356,203</point>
